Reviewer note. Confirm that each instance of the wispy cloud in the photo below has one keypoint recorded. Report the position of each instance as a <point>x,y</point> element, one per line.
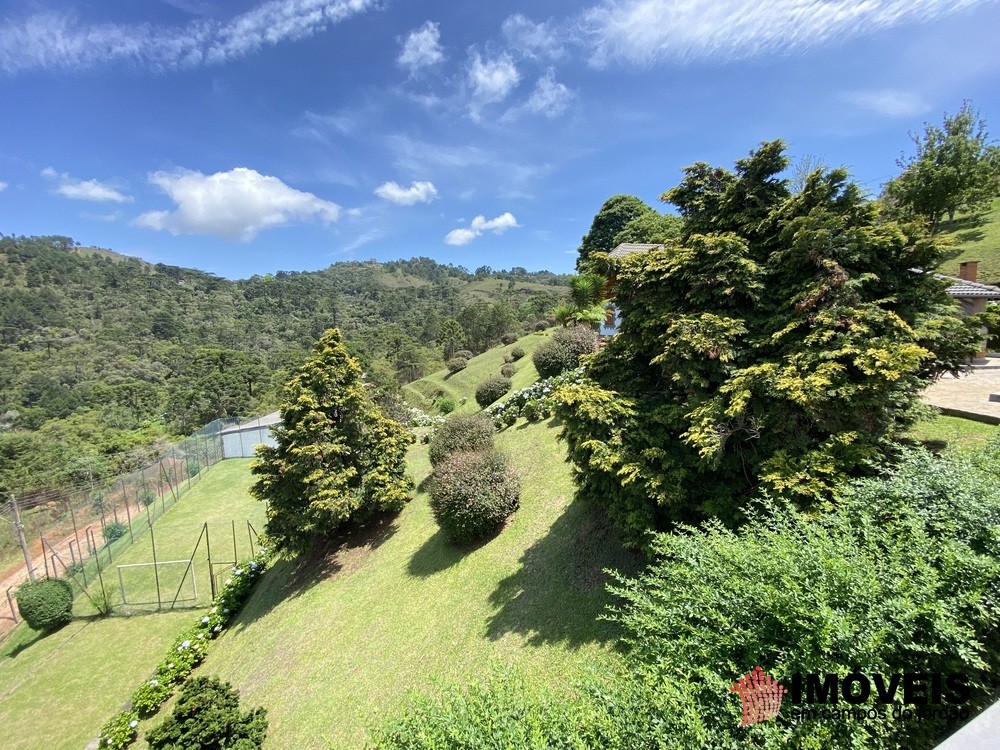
<point>84,190</point>
<point>417,157</point>
<point>418,192</point>
<point>644,32</point>
<point>480,224</point>
<point>526,38</point>
<point>64,41</point>
<point>237,204</point>
<point>362,239</point>
<point>3,186</point>
<point>549,98</point>
<point>888,102</point>
<point>421,48</point>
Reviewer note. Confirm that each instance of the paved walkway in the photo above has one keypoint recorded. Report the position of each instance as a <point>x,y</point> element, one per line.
<point>968,394</point>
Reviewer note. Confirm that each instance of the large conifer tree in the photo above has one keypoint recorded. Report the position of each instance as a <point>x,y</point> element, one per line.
<point>338,458</point>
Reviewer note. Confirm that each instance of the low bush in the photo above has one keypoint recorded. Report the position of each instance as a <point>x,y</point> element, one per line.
<point>472,494</point>
<point>464,432</point>
<point>45,604</point>
<point>208,716</point>
<point>541,325</point>
<point>114,530</point>
<point>563,351</point>
<point>508,370</point>
<point>147,496</point>
<point>516,353</point>
<point>464,354</point>
<point>446,404</point>
<point>491,389</point>
<point>508,338</point>
<point>457,364</point>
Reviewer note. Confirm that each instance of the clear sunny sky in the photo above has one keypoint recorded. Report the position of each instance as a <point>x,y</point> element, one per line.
<point>245,137</point>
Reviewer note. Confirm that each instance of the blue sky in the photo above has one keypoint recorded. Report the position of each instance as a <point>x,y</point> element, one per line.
<point>249,137</point>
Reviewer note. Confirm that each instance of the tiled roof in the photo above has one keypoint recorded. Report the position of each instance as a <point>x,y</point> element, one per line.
<point>972,289</point>
<point>627,248</point>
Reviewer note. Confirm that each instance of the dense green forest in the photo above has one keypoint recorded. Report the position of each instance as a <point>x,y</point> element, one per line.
<point>103,357</point>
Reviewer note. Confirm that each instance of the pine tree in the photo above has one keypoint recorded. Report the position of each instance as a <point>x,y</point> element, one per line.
<point>338,459</point>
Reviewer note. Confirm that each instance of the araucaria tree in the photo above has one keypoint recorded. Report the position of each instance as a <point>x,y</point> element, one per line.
<point>338,458</point>
<point>781,343</point>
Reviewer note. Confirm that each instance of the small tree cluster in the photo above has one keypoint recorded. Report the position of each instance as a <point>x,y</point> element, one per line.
<point>491,389</point>
<point>564,350</point>
<point>46,604</point>
<point>508,370</point>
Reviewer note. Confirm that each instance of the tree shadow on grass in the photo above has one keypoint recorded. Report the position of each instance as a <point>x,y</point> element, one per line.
<point>560,590</point>
<point>292,577</point>
<point>439,553</point>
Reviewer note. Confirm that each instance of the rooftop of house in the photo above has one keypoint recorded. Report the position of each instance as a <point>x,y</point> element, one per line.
<point>627,248</point>
<point>965,289</point>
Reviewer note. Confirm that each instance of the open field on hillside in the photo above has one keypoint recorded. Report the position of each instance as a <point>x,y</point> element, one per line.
<point>975,239</point>
<point>59,689</point>
<point>462,384</point>
<point>333,643</point>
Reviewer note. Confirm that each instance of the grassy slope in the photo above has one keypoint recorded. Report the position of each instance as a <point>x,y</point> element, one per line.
<point>463,384</point>
<point>330,655</point>
<point>975,241</point>
<point>58,690</point>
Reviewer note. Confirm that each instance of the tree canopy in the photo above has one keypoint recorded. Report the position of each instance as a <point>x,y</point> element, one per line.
<point>780,343</point>
<point>338,458</point>
<point>955,168</point>
<point>614,215</point>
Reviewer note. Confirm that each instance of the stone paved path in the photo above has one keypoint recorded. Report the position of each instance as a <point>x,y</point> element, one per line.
<point>969,393</point>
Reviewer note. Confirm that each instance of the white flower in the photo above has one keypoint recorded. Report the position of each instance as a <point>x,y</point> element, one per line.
<point>200,636</point>
<point>226,610</point>
<point>204,621</point>
<point>133,724</point>
<point>154,683</point>
<point>218,628</point>
<point>186,644</point>
<point>170,665</point>
<point>237,572</point>
<point>253,565</point>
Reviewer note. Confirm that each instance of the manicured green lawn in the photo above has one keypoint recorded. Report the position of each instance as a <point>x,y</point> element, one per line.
<point>952,432</point>
<point>56,691</point>
<point>974,239</point>
<point>333,644</point>
<point>462,384</point>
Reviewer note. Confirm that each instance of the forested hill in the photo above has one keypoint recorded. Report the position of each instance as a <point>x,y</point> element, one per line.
<point>102,354</point>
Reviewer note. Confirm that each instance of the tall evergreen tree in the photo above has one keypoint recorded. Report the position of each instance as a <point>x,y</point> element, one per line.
<point>338,458</point>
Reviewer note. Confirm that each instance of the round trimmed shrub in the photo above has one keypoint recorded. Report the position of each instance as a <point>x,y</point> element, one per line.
<point>114,530</point>
<point>472,494</point>
<point>516,353</point>
<point>508,338</point>
<point>541,325</point>
<point>464,354</point>
<point>446,404</point>
<point>456,364</point>
<point>491,389</point>
<point>464,432</point>
<point>508,370</point>
<point>45,605</point>
<point>564,350</point>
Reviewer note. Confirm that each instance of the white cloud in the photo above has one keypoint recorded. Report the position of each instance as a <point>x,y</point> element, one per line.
<point>418,192</point>
<point>422,48</point>
<point>492,80</point>
<point>648,31</point>
<point>533,40</point>
<point>234,205</point>
<point>549,98</point>
<point>84,190</point>
<point>481,224</point>
<point>61,40</point>
<point>3,186</point>
<point>888,102</point>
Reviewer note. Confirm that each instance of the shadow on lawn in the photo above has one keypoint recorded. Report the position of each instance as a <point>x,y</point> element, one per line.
<point>289,578</point>
<point>438,553</point>
<point>558,593</point>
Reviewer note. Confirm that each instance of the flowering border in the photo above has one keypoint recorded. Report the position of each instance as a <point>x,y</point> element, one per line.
<point>185,654</point>
<point>533,402</point>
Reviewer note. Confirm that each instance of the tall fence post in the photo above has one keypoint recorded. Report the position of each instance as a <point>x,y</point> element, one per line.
<point>10,603</point>
<point>156,569</point>
<point>20,537</point>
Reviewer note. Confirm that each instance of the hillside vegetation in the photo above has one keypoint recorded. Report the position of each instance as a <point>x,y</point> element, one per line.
<point>975,238</point>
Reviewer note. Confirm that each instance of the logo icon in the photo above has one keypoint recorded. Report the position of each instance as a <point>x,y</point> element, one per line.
<point>761,695</point>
